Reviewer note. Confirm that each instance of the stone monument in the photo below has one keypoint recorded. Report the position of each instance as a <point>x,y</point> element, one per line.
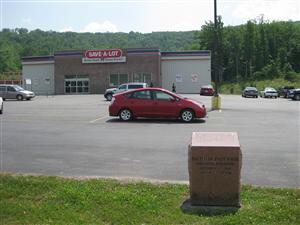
<point>214,163</point>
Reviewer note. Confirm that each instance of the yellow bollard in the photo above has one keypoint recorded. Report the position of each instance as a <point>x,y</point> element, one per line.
<point>216,103</point>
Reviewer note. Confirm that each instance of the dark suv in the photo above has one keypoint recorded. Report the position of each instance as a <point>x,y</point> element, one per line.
<point>295,95</point>
<point>283,91</point>
<point>123,87</point>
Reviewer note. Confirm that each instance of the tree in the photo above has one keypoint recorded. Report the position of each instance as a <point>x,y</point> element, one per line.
<point>212,39</point>
<point>249,47</point>
<point>8,57</point>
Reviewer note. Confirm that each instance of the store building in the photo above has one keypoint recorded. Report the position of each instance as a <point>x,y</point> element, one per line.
<point>93,71</point>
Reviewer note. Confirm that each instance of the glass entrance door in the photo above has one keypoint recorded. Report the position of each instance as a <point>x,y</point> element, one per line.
<point>77,84</point>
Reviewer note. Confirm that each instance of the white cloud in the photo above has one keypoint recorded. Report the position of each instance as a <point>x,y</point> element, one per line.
<point>94,27</point>
<point>66,29</point>
<point>272,10</point>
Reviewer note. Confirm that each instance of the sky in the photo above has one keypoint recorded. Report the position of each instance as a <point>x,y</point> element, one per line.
<point>143,16</point>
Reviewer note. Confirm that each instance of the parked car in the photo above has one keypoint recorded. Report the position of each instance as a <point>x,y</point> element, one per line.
<point>8,91</point>
<point>123,87</point>
<point>283,91</point>
<point>1,105</point>
<point>269,92</point>
<point>250,92</point>
<point>155,103</point>
<point>207,90</point>
<point>296,94</point>
<point>290,93</point>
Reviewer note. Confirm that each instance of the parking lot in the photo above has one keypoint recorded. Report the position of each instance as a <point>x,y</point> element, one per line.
<point>72,135</point>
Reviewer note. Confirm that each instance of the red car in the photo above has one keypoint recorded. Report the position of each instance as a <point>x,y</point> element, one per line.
<point>207,90</point>
<point>155,103</point>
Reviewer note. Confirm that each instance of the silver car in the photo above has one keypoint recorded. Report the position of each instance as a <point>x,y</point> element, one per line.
<point>123,87</point>
<point>8,91</point>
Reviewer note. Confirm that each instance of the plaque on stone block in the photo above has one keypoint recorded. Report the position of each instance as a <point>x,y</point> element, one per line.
<point>215,161</point>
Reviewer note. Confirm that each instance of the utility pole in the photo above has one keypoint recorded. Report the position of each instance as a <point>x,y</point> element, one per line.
<point>216,63</point>
<point>216,99</point>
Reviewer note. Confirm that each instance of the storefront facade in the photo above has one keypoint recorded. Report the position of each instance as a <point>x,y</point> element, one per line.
<point>93,71</point>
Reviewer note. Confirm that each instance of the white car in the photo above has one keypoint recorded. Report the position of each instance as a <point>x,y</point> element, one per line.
<point>1,105</point>
<point>123,87</point>
<point>269,92</point>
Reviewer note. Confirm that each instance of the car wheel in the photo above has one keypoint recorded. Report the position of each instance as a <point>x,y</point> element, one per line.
<point>125,115</point>
<point>19,97</point>
<point>187,115</point>
<point>1,111</point>
<point>109,97</point>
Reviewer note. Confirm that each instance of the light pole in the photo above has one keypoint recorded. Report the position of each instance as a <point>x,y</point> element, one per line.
<point>216,100</point>
<point>216,72</point>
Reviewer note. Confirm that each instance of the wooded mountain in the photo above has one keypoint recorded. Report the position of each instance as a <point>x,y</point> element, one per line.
<point>258,50</point>
<point>255,51</point>
<point>18,43</point>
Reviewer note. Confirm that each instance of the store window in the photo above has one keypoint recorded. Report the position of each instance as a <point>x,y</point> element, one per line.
<point>142,77</point>
<point>77,84</point>
<point>117,79</point>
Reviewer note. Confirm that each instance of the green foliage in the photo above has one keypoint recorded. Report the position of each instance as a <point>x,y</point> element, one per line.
<point>258,50</point>
<point>15,44</point>
<point>53,200</point>
<point>236,88</point>
<point>293,77</point>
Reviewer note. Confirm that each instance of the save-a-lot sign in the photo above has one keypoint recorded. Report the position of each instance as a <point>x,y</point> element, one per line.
<point>103,56</point>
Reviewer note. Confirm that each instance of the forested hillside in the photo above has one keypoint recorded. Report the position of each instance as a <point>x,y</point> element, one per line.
<point>17,43</point>
<point>258,50</point>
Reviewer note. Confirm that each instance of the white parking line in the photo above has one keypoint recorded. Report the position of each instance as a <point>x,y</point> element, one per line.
<point>100,118</point>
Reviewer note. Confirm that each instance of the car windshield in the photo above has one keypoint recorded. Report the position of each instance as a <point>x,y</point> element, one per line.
<point>18,88</point>
<point>251,88</point>
<point>121,87</point>
<point>179,96</point>
<point>270,89</point>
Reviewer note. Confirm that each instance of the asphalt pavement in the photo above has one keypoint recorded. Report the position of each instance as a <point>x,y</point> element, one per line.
<point>74,136</point>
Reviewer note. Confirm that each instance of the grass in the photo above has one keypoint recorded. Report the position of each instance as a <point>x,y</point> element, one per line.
<point>55,200</point>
